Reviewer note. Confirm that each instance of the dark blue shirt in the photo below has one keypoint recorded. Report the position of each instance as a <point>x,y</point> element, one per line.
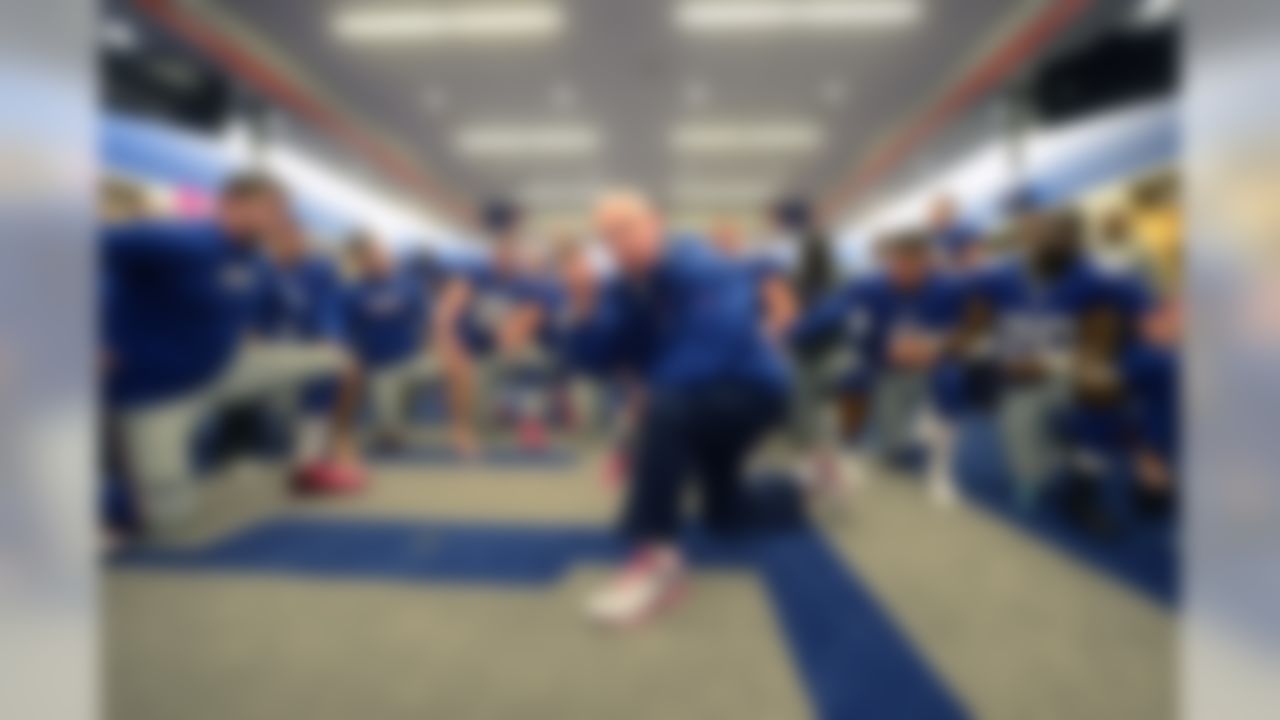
<point>386,318</point>
<point>1038,316</point>
<point>870,311</point>
<point>306,301</point>
<point>552,302</point>
<point>694,319</point>
<point>178,300</point>
<point>494,295</point>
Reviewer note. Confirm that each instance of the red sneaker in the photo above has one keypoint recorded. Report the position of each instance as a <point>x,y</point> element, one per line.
<point>614,475</point>
<point>532,436</point>
<point>331,478</point>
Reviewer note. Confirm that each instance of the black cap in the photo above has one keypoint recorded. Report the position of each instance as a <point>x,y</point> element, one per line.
<point>793,213</point>
<point>500,216</point>
<point>1024,199</point>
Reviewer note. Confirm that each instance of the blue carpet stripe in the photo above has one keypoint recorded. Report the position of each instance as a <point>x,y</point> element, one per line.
<point>499,458</point>
<point>852,659</point>
<point>1144,557</point>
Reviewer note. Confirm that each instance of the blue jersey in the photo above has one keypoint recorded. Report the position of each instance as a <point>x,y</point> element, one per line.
<point>306,301</point>
<point>386,318</point>
<point>764,266</point>
<point>695,318</point>
<point>1038,317</point>
<point>870,312</point>
<point>552,303</point>
<point>178,300</point>
<point>494,295</point>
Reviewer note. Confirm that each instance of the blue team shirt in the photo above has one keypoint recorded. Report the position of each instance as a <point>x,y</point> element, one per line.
<point>494,295</point>
<point>764,266</point>
<point>1035,316</point>
<point>870,311</point>
<point>306,301</point>
<point>552,301</point>
<point>694,319</point>
<point>178,298</point>
<point>386,318</point>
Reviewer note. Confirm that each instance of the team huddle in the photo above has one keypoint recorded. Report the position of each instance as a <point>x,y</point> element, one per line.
<point>707,352</point>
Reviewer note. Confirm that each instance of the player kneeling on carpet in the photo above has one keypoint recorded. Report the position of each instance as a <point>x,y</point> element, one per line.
<point>687,323</point>
<point>482,327</point>
<point>387,318</point>
<point>186,306</point>
<point>1062,325</point>
<point>896,322</point>
<point>305,310</point>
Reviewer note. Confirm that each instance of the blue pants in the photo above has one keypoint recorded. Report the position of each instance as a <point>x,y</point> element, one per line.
<point>706,432</point>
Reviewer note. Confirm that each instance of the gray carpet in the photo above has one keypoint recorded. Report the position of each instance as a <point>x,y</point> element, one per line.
<point>1017,631</point>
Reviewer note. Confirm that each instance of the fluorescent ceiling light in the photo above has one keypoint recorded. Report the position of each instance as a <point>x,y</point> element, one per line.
<point>745,138</point>
<point>816,16</point>
<point>723,191</point>
<point>559,194</point>
<point>462,22</point>
<point>524,140</point>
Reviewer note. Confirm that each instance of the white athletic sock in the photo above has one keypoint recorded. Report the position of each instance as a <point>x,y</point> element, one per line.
<point>310,441</point>
<point>939,440</point>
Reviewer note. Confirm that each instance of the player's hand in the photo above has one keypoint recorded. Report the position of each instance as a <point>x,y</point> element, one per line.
<point>581,283</point>
<point>911,352</point>
<point>513,338</point>
<point>1153,472</point>
<point>1097,380</point>
<point>1026,369</point>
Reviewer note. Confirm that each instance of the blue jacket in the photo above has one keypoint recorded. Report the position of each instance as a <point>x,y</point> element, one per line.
<point>868,312</point>
<point>694,319</point>
<point>306,301</point>
<point>386,318</point>
<point>178,300</point>
<point>493,296</point>
<point>1035,316</point>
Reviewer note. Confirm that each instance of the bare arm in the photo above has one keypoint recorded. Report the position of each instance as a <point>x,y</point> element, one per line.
<point>445,321</point>
<point>518,328</point>
<point>456,362</point>
<point>781,308</point>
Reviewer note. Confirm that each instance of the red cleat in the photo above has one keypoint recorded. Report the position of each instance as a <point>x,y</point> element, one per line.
<point>330,478</point>
<point>616,467</point>
<point>532,436</point>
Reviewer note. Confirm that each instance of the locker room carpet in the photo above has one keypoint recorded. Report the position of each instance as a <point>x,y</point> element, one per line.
<point>928,614</point>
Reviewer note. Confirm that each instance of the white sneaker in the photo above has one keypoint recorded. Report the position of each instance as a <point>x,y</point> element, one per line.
<point>652,581</point>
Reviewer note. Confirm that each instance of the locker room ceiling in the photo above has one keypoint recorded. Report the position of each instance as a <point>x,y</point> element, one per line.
<point>625,71</point>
